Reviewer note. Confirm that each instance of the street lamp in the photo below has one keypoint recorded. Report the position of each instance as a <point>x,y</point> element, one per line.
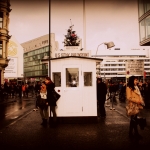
<point>109,45</point>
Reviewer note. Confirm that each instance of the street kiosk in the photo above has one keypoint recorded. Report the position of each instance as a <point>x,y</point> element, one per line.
<point>75,81</point>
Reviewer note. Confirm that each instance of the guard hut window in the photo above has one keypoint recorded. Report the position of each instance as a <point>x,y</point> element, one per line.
<point>57,79</point>
<point>1,20</point>
<point>87,78</point>
<point>72,77</point>
<point>1,49</point>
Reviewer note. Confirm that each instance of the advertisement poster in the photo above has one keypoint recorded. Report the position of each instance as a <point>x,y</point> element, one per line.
<point>11,69</point>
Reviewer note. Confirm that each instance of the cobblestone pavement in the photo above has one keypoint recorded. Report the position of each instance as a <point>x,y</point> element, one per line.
<point>109,133</point>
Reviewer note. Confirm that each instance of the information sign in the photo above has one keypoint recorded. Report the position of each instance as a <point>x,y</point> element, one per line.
<point>135,67</point>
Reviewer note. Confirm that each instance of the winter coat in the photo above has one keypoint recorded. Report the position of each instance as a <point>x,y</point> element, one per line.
<point>50,88</point>
<point>101,90</point>
<point>133,96</point>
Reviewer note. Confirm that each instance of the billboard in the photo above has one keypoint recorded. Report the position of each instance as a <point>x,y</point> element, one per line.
<point>15,65</point>
<point>11,69</point>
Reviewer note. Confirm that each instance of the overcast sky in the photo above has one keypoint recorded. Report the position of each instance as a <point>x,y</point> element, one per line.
<point>29,19</point>
<point>106,20</point>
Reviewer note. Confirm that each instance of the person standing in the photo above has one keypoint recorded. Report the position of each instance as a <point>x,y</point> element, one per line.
<point>23,89</point>
<point>134,96</point>
<point>101,96</point>
<point>43,105</point>
<point>51,101</point>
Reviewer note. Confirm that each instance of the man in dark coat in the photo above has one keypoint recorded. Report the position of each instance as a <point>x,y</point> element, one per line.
<point>101,96</point>
<point>51,101</point>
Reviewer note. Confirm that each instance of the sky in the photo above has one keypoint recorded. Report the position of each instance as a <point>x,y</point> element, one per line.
<point>106,20</point>
<point>29,19</point>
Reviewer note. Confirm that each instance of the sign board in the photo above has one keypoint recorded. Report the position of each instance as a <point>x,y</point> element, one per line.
<point>135,67</point>
<point>11,69</point>
<point>72,53</point>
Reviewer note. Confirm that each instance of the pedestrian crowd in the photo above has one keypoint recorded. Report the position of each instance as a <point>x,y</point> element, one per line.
<point>14,90</point>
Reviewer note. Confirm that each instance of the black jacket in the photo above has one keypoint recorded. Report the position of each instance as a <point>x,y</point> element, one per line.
<point>50,88</point>
<point>101,90</point>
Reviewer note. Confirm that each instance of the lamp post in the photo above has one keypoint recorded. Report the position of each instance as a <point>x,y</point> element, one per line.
<point>109,45</point>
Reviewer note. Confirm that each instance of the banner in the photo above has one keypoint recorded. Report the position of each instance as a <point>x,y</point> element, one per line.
<point>11,69</point>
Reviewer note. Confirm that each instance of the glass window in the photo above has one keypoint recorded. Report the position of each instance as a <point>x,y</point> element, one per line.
<point>47,49</point>
<point>141,8</point>
<point>142,30</point>
<point>1,19</point>
<point>147,23</point>
<point>57,78</point>
<point>87,78</point>
<point>72,77</point>
<point>147,5</point>
<point>1,48</point>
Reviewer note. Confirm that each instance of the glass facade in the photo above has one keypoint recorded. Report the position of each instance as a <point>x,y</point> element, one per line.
<point>1,48</point>
<point>1,20</point>
<point>144,22</point>
<point>33,66</point>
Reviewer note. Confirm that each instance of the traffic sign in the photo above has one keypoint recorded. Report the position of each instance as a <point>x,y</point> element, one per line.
<point>135,67</point>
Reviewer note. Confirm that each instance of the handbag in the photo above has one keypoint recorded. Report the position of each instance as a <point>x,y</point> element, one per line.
<point>40,102</point>
<point>132,109</point>
<point>141,120</point>
<point>56,96</point>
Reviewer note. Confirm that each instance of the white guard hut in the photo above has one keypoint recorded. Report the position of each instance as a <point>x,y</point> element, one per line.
<point>75,81</point>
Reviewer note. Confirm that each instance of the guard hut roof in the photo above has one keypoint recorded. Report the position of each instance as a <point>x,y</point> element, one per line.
<point>91,58</point>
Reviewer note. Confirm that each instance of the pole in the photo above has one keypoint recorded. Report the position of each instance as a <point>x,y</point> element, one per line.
<point>84,24</point>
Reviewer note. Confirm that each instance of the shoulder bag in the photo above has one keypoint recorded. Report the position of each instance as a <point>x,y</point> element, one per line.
<point>132,109</point>
<point>56,96</point>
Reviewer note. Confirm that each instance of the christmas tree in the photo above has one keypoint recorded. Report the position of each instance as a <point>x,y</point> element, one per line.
<point>71,39</point>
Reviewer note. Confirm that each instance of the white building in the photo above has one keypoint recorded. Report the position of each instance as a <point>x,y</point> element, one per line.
<point>114,61</point>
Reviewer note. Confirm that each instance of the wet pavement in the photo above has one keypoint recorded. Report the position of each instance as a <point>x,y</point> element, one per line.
<point>108,133</point>
<point>12,109</point>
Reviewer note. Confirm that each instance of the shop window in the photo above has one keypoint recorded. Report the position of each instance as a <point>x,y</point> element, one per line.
<point>72,77</point>
<point>1,48</point>
<point>87,78</point>
<point>57,79</point>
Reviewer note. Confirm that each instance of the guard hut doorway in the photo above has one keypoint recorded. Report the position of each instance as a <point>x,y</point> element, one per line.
<point>75,81</point>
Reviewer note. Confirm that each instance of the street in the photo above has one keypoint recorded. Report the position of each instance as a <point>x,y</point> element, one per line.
<point>13,109</point>
<point>21,129</point>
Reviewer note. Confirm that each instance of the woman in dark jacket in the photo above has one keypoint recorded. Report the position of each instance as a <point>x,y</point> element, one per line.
<point>51,101</point>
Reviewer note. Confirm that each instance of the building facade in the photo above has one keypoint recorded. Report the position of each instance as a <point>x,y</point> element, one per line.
<point>113,65</point>
<point>34,51</point>
<point>144,22</point>
<point>4,36</point>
